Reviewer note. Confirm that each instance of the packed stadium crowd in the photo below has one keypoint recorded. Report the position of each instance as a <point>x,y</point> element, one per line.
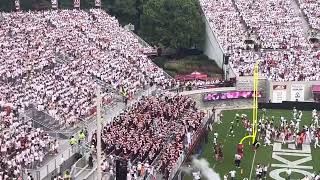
<point>21,145</point>
<point>312,10</point>
<point>225,22</point>
<point>93,42</point>
<point>196,84</point>
<point>51,59</point>
<point>284,32</point>
<point>154,131</point>
<point>203,84</point>
<point>285,53</point>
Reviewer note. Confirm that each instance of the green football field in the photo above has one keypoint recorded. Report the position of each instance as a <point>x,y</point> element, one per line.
<point>263,154</point>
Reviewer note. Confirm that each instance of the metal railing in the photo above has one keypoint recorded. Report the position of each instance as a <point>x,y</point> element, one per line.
<point>51,166</point>
<point>195,138</point>
<point>49,124</point>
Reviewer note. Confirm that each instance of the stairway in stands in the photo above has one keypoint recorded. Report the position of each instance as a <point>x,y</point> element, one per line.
<point>306,26</point>
<point>242,20</point>
<point>252,33</point>
<point>62,59</point>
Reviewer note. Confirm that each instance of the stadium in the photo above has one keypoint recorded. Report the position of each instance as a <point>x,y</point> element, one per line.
<point>160,89</point>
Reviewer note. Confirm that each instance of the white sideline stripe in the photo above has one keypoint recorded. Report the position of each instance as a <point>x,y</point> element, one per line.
<point>254,158</point>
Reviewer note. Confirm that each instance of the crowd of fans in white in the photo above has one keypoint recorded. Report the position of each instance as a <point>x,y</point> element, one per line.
<point>21,145</point>
<point>312,10</point>
<point>286,53</point>
<point>93,46</point>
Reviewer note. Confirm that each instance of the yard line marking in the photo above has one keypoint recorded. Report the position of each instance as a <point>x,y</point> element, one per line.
<point>254,158</point>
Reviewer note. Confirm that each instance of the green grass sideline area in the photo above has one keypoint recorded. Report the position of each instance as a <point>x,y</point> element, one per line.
<point>263,154</point>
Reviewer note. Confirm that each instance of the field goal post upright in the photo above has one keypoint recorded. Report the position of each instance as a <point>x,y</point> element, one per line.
<point>254,106</point>
<point>255,101</point>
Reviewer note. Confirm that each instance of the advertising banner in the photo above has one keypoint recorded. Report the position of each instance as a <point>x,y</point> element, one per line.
<point>297,92</point>
<point>279,93</point>
<point>229,95</point>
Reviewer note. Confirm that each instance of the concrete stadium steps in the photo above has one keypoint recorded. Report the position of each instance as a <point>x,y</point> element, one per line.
<point>94,174</point>
<point>62,59</point>
<point>46,122</point>
<point>86,172</point>
<point>81,169</point>
<point>243,22</point>
<point>306,26</point>
<point>104,84</point>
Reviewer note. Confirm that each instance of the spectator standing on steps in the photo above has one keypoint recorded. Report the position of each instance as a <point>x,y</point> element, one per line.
<point>67,175</point>
<point>220,118</point>
<point>85,131</point>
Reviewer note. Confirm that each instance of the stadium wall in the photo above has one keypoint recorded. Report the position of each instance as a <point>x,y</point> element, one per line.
<point>214,51</point>
<point>277,92</point>
<point>212,48</point>
<point>305,106</point>
<point>245,83</point>
<point>290,91</point>
<point>231,72</point>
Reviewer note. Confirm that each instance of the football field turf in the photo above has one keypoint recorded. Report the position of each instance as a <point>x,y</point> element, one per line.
<point>263,154</point>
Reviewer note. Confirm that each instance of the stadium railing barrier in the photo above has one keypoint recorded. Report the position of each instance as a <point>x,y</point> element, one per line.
<point>55,164</point>
<point>196,137</point>
<point>177,166</point>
